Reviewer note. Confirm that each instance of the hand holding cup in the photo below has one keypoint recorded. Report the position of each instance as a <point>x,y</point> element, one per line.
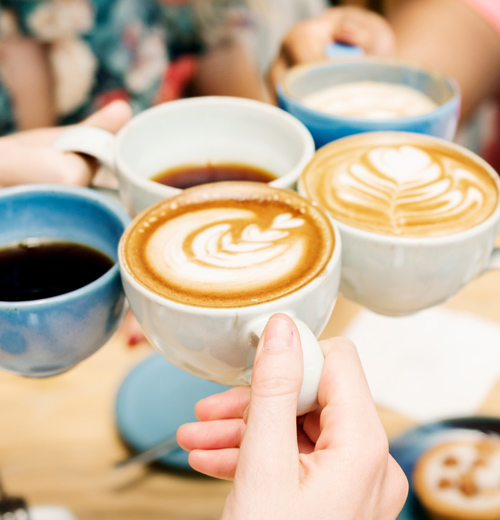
<point>203,272</point>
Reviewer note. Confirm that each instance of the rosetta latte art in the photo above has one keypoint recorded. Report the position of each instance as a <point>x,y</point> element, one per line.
<point>402,189</point>
<point>218,247</point>
<point>224,246</point>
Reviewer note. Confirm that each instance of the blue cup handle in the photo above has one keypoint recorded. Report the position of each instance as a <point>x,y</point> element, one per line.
<point>343,50</point>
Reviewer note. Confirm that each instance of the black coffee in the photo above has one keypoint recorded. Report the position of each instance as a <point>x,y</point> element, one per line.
<point>36,269</point>
<point>192,175</point>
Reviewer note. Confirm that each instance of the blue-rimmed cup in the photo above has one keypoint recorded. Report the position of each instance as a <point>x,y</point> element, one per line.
<point>45,337</point>
<point>303,80</point>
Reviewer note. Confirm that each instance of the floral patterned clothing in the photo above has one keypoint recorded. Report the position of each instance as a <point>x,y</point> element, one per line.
<point>100,50</point>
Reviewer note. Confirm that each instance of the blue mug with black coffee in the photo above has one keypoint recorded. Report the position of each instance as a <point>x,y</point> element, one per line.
<point>61,296</point>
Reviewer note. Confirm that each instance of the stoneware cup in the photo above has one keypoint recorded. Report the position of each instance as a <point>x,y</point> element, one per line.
<point>196,130</point>
<point>398,275</point>
<point>42,338</point>
<point>218,343</point>
<point>303,80</point>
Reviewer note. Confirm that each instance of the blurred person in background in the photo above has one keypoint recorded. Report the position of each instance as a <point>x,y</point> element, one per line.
<point>64,60</point>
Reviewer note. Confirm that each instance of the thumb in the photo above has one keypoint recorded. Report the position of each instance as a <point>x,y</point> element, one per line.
<point>112,117</point>
<point>270,442</point>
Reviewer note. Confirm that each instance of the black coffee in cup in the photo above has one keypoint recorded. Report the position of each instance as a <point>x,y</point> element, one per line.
<point>187,176</point>
<point>36,269</point>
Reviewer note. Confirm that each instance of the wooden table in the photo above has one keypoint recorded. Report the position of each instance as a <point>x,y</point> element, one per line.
<point>58,440</point>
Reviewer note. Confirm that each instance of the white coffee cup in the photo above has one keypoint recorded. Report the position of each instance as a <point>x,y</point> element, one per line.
<point>400,275</point>
<point>219,343</point>
<point>195,130</point>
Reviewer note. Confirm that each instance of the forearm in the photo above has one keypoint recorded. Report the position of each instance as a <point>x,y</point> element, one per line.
<point>450,36</point>
<point>27,76</point>
<point>228,70</point>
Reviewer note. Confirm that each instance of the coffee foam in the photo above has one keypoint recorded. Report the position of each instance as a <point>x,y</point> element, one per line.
<point>400,184</point>
<point>228,245</point>
<point>371,100</point>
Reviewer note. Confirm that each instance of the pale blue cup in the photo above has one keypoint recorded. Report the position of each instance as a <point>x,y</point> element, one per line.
<point>303,80</point>
<point>42,338</point>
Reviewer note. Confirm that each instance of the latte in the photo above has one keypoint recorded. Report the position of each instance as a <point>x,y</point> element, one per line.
<point>229,244</point>
<point>401,184</point>
<point>371,100</point>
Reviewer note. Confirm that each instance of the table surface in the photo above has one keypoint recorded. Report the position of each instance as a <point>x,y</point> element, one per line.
<point>58,439</point>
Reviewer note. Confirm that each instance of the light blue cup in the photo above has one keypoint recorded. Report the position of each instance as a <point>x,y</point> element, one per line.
<point>303,80</point>
<point>42,338</point>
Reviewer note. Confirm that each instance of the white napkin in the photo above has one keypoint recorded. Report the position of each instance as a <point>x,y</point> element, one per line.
<point>50,513</point>
<point>435,364</point>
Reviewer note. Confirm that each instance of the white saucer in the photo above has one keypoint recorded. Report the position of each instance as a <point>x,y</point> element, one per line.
<point>50,513</point>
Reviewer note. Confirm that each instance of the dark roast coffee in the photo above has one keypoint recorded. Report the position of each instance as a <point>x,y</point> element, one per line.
<point>188,176</point>
<point>35,269</point>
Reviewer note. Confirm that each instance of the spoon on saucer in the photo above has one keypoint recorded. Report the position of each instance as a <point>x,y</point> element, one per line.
<point>150,455</point>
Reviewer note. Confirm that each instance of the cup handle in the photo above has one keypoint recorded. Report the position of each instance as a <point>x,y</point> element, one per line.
<point>89,140</point>
<point>313,362</point>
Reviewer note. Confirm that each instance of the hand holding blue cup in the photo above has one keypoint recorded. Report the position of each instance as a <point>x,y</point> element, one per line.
<point>360,82</point>
<point>42,337</point>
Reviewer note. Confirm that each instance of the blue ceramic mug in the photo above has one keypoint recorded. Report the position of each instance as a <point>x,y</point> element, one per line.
<point>45,337</point>
<point>303,80</point>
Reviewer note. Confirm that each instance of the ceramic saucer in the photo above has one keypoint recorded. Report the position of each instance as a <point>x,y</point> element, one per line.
<point>154,399</point>
<point>407,447</point>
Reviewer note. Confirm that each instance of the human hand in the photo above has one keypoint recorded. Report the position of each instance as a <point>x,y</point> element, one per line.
<point>28,157</point>
<point>306,41</point>
<point>331,463</point>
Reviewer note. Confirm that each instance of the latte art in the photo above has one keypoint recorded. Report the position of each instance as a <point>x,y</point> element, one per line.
<point>400,185</point>
<point>220,246</point>
<point>226,248</point>
<point>370,99</point>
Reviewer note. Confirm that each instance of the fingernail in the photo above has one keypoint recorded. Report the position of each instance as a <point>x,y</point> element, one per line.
<point>278,335</point>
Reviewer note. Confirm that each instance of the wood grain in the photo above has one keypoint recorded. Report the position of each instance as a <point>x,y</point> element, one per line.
<point>58,439</point>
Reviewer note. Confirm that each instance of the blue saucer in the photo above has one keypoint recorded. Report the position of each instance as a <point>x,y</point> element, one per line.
<point>154,399</point>
<point>410,445</point>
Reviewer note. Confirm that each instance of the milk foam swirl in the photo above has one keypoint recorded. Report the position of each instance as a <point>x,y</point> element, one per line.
<point>231,252</point>
<point>227,248</point>
<point>401,189</point>
<point>371,99</point>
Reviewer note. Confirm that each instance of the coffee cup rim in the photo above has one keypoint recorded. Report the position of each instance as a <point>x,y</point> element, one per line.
<point>284,90</point>
<point>264,307</point>
<point>74,193</point>
<point>442,239</point>
<point>333,262</point>
<point>266,109</point>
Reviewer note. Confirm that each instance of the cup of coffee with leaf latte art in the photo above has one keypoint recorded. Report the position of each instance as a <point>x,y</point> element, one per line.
<point>418,217</point>
<point>343,97</point>
<point>203,271</point>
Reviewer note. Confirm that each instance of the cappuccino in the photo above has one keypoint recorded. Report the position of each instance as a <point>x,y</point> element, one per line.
<point>228,244</point>
<point>401,184</point>
<point>371,100</point>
